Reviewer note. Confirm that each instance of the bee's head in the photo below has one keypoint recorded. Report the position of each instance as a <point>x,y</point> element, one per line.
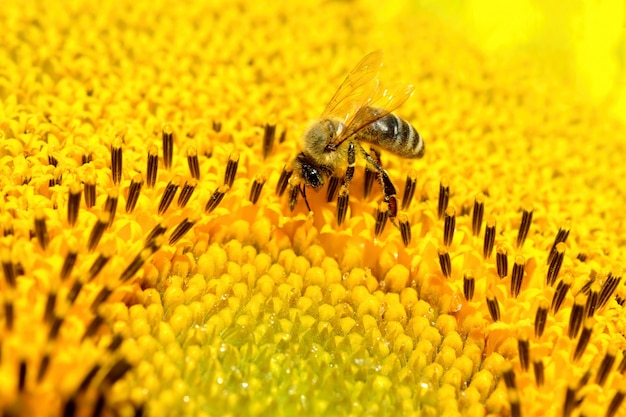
<point>313,174</point>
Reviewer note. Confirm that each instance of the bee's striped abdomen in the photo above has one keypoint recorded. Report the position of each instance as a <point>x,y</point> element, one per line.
<point>395,135</point>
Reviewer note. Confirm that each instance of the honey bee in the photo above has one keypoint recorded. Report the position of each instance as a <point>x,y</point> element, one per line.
<point>360,111</point>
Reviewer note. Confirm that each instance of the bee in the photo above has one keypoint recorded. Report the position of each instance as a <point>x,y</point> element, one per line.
<point>360,111</point>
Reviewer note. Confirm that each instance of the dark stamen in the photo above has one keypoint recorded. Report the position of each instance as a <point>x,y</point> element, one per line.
<point>592,300</point>
<point>187,191</point>
<point>231,169</point>
<point>269,134</point>
<point>192,162</point>
<point>583,339</point>
<point>135,264</point>
<point>490,237</point>
<point>523,349</point>
<point>216,198</point>
<point>168,195</point>
<point>41,229</point>
<point>156,231</point>
<point>576,316</point>
<point>469,283</point>
<point>382,212</point>
<point>90,192</point>
<point>561,236</point>
<point>116,161</point>
<point>524,227</point>
<point>281,186</point>
<point>110,205</point>
<point>517,275</point>
<point>333,188</point>
<point>98,231</point>
<point>73,204</point>
<point>257,187</point>
<point>43,366</point>
<point>97,265</point>
<point>477,214</point>
<point>180,230</point>
<point>368,181</point>
<point>409,189</point>
<point>444,197</point>
<point>502,262</point>
<point>540,318</point>
<point>560,293</point>
<point>449,224</point>
<point>342,205</point>
<point>50,303</point>
<point>168,145</point>
<point>605,366</point>
<point>444,262</point>
<point>608,288</point>
<point>494,307</point>
<point>616,402</point>
<point>153,166</point>
<point>93,327</point>
<point>539,372</point>
<point>8,268</point>
<point>405,229</point>
<point>133,193</point>
<point>555,263</point>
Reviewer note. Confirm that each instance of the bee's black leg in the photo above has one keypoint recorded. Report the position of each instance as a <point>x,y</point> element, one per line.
<point>351,164</point>
<point>306,201</point>
<point>388,188</point>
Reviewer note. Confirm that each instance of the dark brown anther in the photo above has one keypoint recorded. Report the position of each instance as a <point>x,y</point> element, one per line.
<point>502,263</point>
<point>517,275</point>
<point>570,403</point>
<point>283,181</point>
<point>86,158</point>
<point>186,192</point>
<point>41,229</point>
<point>93,327</point>
<point>97,266</point>
<point>405,229</point>
<point>282,136</point>
<point>539,372</point>
<point>116,342</point>
<point>523,349</point>
<point>269,134</point>
<point>583,339</point>
<point>621,368</point>
<point>524,227</point>
<point>605,366</point>
<point>333,188</point>
<point>110,205</point>
<point>294,192</point>
<point>72,295</point>
<point>88,378</point>
<point>116,161</point>
<point>68,264</point>
<point>158,230</point>
<point>133,193</point>
<point>257,187</point>
<point>494,307</point>
<point>477,214</point>
<point>555,264</point>
<point>368,181</point>
<point>444,262</point>
<point>168,145</point>
<point>616,402</point>
<point>382,212</point>
<point>9,314</point>
<point>608,288</point>
<point>576,316</point>
<point>8,268</point>
<point>409,189</point>
<point>592,300</point>
<point>55,327</point>
<point>514,401</point>
<point>90,192</point>
<point>449,225</point>
<point>50,303</point>
<point>98,231</point>
<point>52,161</point>
<point>582,257</point>
<point>104,293</point>
<point>217,126</point>
<point>561,236</point>
<point>135,264</point>
<point>216,198</point>
<point>231,169</point>
<point>490,237</point>
<point>43,366</point>
<point>73,203</point>
<point>168,195</point>
<point>509,377</point>
<point>180,230</point>
<point>540,318</point>
<point>117,372</point>
<point>192,162</point>
<point>560,293</point>
<point>469,284</point>
<point>444,197</point>
<point>342,205</point>
<point>153,166</point>
<point>22,376</point>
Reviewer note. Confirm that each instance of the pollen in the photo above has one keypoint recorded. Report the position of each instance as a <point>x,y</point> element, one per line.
<point>161,253</point>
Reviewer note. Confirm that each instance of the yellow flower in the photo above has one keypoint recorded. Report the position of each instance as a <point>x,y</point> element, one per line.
<point>151,264</point>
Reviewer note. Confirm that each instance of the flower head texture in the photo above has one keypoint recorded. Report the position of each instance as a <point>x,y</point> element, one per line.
<point>159,259</point>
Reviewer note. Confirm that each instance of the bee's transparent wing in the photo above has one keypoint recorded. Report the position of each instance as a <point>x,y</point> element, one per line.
<point>357,89</point>
<point>380,104</point>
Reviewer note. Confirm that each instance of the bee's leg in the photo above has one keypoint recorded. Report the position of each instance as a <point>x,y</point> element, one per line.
<point>351,164</point>
<point>306,201</point>
<point>388,188</point>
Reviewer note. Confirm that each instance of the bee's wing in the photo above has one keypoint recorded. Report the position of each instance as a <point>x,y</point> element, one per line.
<point>357,89</point>
<point>381,103</point>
